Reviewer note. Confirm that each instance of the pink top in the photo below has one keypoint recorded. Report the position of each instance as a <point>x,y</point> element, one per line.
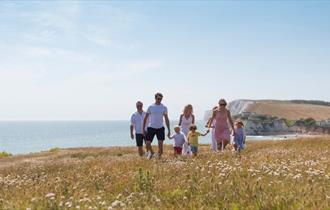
<point>222,131</point>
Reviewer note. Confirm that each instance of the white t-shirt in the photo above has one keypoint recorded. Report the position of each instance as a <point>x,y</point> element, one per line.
<point>179,139</point>
<point>156,113</point>
<point>137,121</point>
<point>185,124</point>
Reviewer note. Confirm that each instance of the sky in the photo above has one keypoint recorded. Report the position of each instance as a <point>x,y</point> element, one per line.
<point>92,60</point>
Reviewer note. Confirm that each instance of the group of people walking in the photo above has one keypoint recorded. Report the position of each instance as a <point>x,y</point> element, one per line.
<point>146,125</point>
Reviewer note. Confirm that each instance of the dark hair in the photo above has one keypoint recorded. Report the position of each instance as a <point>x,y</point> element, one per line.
<point>193,127</point>
<point>158,95</point>
<point>223,100</point>
<point>240,123</point>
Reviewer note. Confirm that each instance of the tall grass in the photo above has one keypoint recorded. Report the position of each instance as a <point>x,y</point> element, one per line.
<point>291,174</point>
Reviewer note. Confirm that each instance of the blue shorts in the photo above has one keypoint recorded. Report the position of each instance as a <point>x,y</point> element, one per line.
<point>194,149</point>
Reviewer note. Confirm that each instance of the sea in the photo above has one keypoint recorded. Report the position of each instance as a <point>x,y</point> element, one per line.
<point>23,137</point>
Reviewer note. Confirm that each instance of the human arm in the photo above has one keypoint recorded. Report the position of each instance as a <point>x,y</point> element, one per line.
<point>211,119</point>
<point>208,122</point>
<point>193,119</point>
<point>131,131</point>
<point>180,120</point>
<point>206,132</point>
<point>131,127</point>
<point>231,121</point>
<point>145,123</point>
<point>167,122</point>
<point>244,137</point>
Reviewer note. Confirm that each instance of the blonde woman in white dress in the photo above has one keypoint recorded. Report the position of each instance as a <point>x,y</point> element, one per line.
<point>186,119</point>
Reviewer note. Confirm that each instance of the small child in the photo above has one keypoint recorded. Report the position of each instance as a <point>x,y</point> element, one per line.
<point>239,138</point>
<point>179,140</point>
<point>193,138</point>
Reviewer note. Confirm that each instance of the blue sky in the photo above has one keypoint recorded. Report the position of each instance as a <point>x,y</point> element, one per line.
<point>92,60</point>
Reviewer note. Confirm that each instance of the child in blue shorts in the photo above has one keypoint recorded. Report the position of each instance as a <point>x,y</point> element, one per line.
<point>193,138</point>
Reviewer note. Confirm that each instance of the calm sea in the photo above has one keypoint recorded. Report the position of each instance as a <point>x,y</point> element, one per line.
<point>23,137</point>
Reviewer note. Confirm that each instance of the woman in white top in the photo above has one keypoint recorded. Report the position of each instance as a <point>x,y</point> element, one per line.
<point>186,119</point>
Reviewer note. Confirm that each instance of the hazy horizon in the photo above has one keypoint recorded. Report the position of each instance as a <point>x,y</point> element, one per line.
<point>92,60</point>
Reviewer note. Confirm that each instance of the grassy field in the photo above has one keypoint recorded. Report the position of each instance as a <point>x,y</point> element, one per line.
<point>291,111</point>
<point>290,174</point>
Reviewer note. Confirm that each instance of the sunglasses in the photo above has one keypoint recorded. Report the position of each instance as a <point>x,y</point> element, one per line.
<point>159,98</point>
<point>139,105</point>
<point>223,104</point>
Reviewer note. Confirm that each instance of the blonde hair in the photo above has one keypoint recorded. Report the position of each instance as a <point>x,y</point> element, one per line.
<point>177,126</point>
<point>186,108</point>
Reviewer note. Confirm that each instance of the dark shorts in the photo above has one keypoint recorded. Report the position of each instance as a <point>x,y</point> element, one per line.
<point>159,132</point>
<point>139,139</point>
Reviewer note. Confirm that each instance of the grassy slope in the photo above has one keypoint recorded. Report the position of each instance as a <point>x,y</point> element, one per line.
<point>290,111</point>
<point>291,174</point>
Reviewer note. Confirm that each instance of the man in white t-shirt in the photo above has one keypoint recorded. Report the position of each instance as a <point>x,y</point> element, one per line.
<point>155,114</point>
<point>137,119</point>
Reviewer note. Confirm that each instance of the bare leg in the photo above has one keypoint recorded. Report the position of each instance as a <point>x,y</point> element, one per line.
<point>160,148</point>
<point>149,148</point>
<point>146,147</point>
<point>140,150</point>
<point>219,145</point>
<point>225,142</point>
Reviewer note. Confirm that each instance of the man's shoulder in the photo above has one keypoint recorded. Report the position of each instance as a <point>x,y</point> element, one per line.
<point>157,106</point>
<point>152,105</point>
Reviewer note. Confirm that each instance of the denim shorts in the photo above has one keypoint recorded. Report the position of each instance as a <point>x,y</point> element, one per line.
<point>194,149</point>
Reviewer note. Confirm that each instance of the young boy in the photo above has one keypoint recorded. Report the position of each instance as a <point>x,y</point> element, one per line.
<point>179,140</point>
<point>239,138</point>
<point>193,138</point>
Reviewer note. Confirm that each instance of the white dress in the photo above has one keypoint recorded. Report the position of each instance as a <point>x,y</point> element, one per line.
<point>214,141</point>
<point>185,125</point>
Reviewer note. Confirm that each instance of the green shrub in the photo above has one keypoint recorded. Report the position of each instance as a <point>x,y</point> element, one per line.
<point>144,181</point>
<point>310,121</point>
<point>289,123</point>
<point>54,149</point>
<point>5,154</point>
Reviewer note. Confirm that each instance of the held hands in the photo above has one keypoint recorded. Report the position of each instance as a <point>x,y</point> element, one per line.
<point>169,134</point>
<point>132,136</point>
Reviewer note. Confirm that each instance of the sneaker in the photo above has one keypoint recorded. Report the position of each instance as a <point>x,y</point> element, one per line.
<point>150,155</point>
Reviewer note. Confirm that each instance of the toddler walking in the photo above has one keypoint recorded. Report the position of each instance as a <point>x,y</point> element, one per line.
<point>179,140</point>
<point>239,137</point>
<point>193,138</point>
